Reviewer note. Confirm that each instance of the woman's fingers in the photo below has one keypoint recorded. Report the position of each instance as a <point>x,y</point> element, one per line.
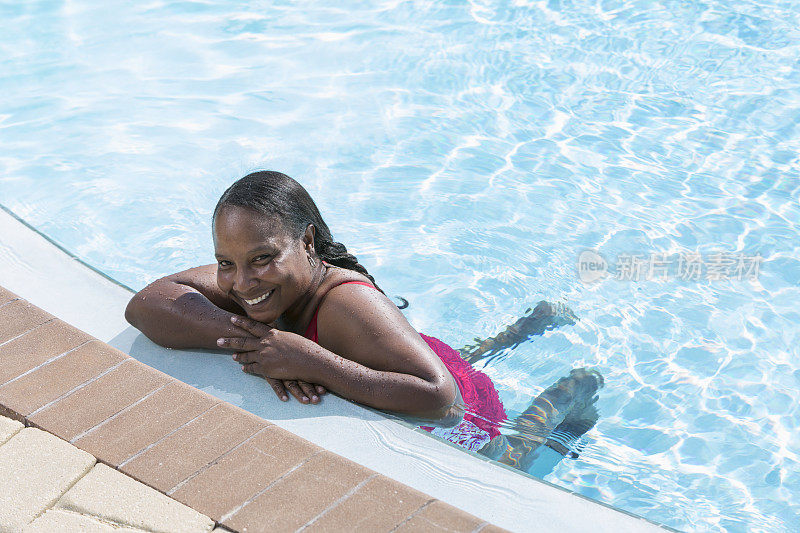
<point>309,391</point>
<point>239,344</point>
<point>277,386</point>
<point>294,388</point>
<point>258,329</point>
<point>244,358</point>
<point>298,389</point>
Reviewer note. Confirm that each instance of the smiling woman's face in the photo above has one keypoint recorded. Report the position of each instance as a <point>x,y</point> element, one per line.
<point>260,265</point>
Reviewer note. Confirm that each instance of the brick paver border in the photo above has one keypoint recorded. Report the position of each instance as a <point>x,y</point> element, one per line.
<point>244,472</point>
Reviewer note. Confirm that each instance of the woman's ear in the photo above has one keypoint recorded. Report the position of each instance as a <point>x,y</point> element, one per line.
<point>309,238</point>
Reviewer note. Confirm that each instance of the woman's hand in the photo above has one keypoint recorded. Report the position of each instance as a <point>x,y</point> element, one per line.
<point>266,351</point>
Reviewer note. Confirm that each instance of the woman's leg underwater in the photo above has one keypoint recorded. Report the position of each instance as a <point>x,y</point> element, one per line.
<point>557,417</point>
<point>545,316</point>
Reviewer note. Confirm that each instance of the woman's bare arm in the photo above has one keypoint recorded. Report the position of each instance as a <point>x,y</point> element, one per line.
<point>432,397</point>
<point>184,310</point>
<point>188,310</point>
<point>374,356</point>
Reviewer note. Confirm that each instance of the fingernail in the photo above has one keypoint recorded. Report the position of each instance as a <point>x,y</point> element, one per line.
<point>235,357</point>
<point>284,398</point>
<point>305,399</point>
<point>315,398</point>
<point>233,319</point>
<point>220,341</point>
<point>242,367</point>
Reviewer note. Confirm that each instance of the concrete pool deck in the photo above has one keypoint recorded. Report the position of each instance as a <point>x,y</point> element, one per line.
<point>451,482</point>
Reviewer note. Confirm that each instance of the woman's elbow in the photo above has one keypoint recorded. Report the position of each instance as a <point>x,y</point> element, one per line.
<point>447,391</point>
<point>138,309</point>
<point>152,333</point>
<point>132,311</point>
<point>135,314</point>
<point>441,398</point>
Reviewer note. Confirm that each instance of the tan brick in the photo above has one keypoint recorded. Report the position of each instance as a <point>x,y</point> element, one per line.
<point>48,382</point>
<point>295,499</point>
<point>111,495</point>
<point>37,346</point>
<point>8,428</point>
<point>6,296</point>
<point>440,517</point>
<point>121,437</point>
<point>379,505</point>
<point>36,468</point>
<point>109,394</point>
<point>242,473</point>
<point>19,316</point>
<point>193,446</point>
<point>57,520</point>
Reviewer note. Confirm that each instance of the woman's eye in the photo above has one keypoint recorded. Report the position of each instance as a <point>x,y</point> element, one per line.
<point>261,258</point>
<point>223,264</point>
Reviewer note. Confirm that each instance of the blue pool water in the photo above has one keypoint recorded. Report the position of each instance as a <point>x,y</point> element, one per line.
<point>468,153</point>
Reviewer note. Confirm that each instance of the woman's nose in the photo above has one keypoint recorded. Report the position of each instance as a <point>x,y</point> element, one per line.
<point>243,281</point>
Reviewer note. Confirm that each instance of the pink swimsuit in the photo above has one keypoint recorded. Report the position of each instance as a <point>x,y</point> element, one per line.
<point>484,408</point>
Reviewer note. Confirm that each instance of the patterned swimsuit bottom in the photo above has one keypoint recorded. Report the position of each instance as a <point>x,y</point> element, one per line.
<point>484,409</point>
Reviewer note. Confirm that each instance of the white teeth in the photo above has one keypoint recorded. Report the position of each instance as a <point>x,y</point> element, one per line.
<point>259,299</point>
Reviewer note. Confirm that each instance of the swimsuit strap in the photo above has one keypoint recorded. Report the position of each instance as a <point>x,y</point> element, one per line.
<point>311,332</point>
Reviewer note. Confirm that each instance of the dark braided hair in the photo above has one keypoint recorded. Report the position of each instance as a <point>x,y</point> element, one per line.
<point>275,194</point>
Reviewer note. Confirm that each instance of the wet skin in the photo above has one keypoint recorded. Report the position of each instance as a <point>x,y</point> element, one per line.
<point>367,351</point>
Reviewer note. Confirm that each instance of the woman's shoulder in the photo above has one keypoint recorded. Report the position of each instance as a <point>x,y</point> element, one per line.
<point>336,294</point>
<point>342,299</point>
<point>337,276</point>
<point>361,324</point>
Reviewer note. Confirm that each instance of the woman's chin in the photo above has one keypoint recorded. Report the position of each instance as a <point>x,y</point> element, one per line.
<point>261,316</point>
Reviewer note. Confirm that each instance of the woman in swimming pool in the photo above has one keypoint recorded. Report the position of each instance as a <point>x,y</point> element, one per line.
<point>296,308</point>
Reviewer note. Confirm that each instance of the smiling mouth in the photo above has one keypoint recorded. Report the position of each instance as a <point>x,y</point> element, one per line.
<point>256,301</point>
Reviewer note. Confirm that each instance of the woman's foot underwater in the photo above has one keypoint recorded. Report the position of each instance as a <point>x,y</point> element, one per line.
<point>557,418</point>
<point>564,411</point>
<point>564,438</point>
<point>581,417</point>
<point>545,316</point>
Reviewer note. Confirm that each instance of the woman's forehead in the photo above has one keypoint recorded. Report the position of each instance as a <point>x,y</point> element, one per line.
<point>234,225</point>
